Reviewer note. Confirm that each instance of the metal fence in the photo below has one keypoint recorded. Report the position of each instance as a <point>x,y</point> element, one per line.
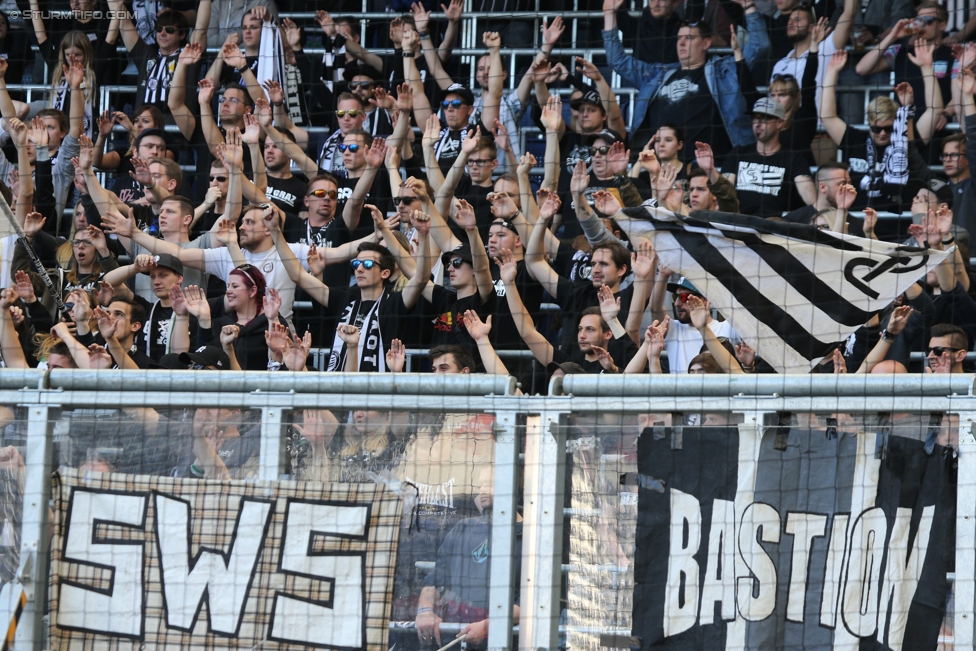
<point>559,466</point>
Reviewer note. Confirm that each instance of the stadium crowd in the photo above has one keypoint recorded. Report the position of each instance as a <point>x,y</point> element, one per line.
<point>265,162</point>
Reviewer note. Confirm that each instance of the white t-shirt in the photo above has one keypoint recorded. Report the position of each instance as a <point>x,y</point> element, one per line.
<point>7,245</point>
<point>789,65</point>
<point>269,262</point>
<point>683,342</point>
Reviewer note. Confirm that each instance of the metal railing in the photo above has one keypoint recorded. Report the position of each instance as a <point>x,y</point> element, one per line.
<point>537,423</point>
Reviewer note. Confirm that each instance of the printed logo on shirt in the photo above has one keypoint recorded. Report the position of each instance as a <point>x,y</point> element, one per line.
<point>480,553</point>
<point>344,193</point>
<point>576,155</point>
<point>282,195</point>
<point>444,322</point>
<point>499,288</point>
<point>429,495</point>
<point>678,89</point>
<point>858,165</point>
<point>759,177</point>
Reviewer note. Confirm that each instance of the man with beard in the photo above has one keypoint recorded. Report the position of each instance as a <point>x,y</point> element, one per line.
<point>284,188</point>
<point>830,178</point>
<point>768,180</point>
<point>682,341</point>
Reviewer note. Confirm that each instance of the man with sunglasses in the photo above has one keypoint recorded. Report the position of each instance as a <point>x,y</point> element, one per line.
<point>366,179</point>
<point>700,94</point>
<point>156,63</point>
<point>948,345</point>
<point>769,180</point>
<point>350,114</point>
<point>363,81</point>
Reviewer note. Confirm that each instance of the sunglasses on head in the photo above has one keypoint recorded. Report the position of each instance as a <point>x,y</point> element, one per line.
<point>198,367</point>
<point>456,263</point>
<point>219,179</point>
<point>169,29</point>
<point>365,264</point>
<point>404,200</point>
<point>351,113</point>
<point>321,194</point>
<point>365,85</point>
<point>880,129</point>
<point>593,151</point>
<point>456,103</point>
<point>779,77</point>
<point>353,148</point>
<point>938,351</point>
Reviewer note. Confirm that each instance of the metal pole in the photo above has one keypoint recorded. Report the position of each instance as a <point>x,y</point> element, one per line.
<point>545,469</point>
<point>272,462</point>
<point>35,529</point>
<point>501,597</point>
<point>964,586</point>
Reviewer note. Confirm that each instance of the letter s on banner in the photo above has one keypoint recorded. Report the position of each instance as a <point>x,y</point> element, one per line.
<point>117,610</point>
<point>341,621</point>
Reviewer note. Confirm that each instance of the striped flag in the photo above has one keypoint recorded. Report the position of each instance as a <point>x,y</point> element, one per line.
<point>790,291</point>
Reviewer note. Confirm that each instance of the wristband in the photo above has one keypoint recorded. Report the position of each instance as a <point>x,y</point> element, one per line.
<point>544,53</point>
<point>424,36</point>
<point>425,609</point>
<point>951,240</point>
<point>887,336</point>
<point>407,55</point>
<point>277,104</point>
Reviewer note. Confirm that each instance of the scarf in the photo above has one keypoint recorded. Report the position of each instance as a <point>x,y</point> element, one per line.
<point>372,356</point>
<point>895,161</point>
<point>60,101</point>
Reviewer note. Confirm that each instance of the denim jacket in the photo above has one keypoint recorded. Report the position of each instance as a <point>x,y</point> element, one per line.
<point>720,74</point>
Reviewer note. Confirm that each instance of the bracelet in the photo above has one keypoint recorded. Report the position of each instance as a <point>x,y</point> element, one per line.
<point>887,336</point>
<point>544,53</point>
<point>277,104</point>
<point>425,609</point>
<point>407,55</point>
<point>951,240</point>
<point>424,35</point>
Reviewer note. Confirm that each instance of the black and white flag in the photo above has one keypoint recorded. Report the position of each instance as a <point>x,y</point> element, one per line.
<point>790,291</point>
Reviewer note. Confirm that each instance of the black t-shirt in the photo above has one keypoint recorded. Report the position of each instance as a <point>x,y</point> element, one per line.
<point>391,314</point>
<point>764,184</point>
<point>378,195</point>
<point>332,235</point>
<point>504,334</point>
<point>612,185</point>
<point>128,189</point>
<point>448,145</point>
<point>574,297</point>
<point>448,329</point>
<point>288,194</point>
<point>477,196</point>
<point>621,349</point>
<point>686,101</point>
<point>153,339</point>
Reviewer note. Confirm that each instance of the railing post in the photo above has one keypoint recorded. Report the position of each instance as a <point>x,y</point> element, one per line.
<point>542,548</point>
<point>964,587</point>
<point>272,462</point>
<point>501,596</point>
<point>35,528</point>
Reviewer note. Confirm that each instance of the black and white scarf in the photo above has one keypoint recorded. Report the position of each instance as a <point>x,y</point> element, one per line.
<point>894,164</point>
<point>60,101</point>
<point>372,356</point>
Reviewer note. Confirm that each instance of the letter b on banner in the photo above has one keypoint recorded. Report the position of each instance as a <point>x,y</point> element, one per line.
<point>339,622</point>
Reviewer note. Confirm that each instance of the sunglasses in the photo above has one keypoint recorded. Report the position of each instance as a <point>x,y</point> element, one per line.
<point>365,85</point>
<point>321,194</point>
<point>682,296</point>
<point>351,113</point>
<point>404,200</point>
<point>169,29</point>
<point>456,263</point>
<point>784,78</point>
<point>219,179</point>
<point>365,264</point>
<point>593,151</point>
<point>938,351</point>
<point>198,367</point>
<point>353,148</point>
<point>455,103</point>
<point>879,129</point>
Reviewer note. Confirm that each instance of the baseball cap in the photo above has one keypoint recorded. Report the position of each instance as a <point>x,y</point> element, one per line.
<point>151,132</point>
<point>504,223</point>
<point>589,97</point>
<point>769,106</point>
<point>362,70</point>
<point>609,136</point>
<point>171,262</point>
<point>207,356</point>
<point>569,368</point>
<point>462,90</point>
<point>463,252</point>
<point>683,285</point>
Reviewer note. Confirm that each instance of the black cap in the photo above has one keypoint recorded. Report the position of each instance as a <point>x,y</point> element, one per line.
<point>589,97</point>
<point>569,368</point>
<point>207,356</point>
<point>171,262</point>
<point>462,90</point>
<point>151,132</point>
<point>172,362</point>
<point>463,252</point>
<point>609,136</point>
<point>506,223</point>
<point>362,70</point>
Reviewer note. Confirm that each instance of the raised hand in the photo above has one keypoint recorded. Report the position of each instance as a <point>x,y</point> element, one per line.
<point>179,301</point>
<point>74,74</point>
<point>276,338</point>
<point>34,223</point>
<point>943,219</point>
<point>233,56</point>
<point>821,30</point>
<point>552,31</point>
<point>106,323</point>
<point>664,182</point>
<point>233,152</point>
<point>293,33</point>
<point>196,302</point>
<point>526,162</point>
<point>644,262</point>
<point>705,157</point>
<point>609,305</point>
<point>229,334</point>
<point>507,266</point>
<point>24,287</point>
<point>846,194</point>
<point>549,209</point>
<point>296,352</point>
<point>144,263</point>
<point>924,53</point>
<point>106,293</point>
<point>349,334</point>
<point>698,311</point>
<point>870,221</point>
<point>432,131</point>
<point>38,133</point>
<point>477,328</point>
<point>492,40</point>
<point>18,132</point>
<point>191,54</point>
<point>396,357</point>
<point>205,91</point>
<point>837,61</point>
<point>275,92</point>
<point>618,157</point>
<point>104,121</point>
<point>606,361</point>
<point>376,152</point>
<point>606,203</point>
<point>226,232</point>
<point>580,180</point>
<point>648,158</point>
<point>396,30</point>
<point>421,17</point>
<point>421,220</point>
<point>899,319</point>
<point>404,99</point>
<point>7,298</point>
<point>272,304</point>
<point>262,111</point>
<point>97,236</point>
<point>114,222</point>
<point>552,114</point>
<point>905,94</point>
<point>465,217</point>
<point>502,141</point>
<point>588,69</point>
<point>453,11</point>
<point>746,355</point>
<point>140,171</point>
<point>840,364</point>
<point>81,311</point>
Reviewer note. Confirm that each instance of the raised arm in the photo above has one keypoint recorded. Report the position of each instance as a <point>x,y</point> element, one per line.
<point>318,290</point>
<point>453,13</point>
<point>496,79</point>
<point>421,104</point>
<point>418,282</point>
<point>615,117</point>
<point>699,312</point>
<point>535,260</point>
<point>432,133</point>
<point>375,154</point>
<point>202,24</point>
<point>896,324</point>
<point>479,331</point>
<point>874,60</point>
<point>541,348</point>
<point>263,112</point>
<point>922,58</point>
<point>644,265</point>
<point>835,126</point>
<point>10,347</point>
<point>211,133</point>
<point>435,65</point>
<point>176,99</point>
<point>445,195</point>
<point>466,219</point>
<point>552,120</point>
<point>440,232</point>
